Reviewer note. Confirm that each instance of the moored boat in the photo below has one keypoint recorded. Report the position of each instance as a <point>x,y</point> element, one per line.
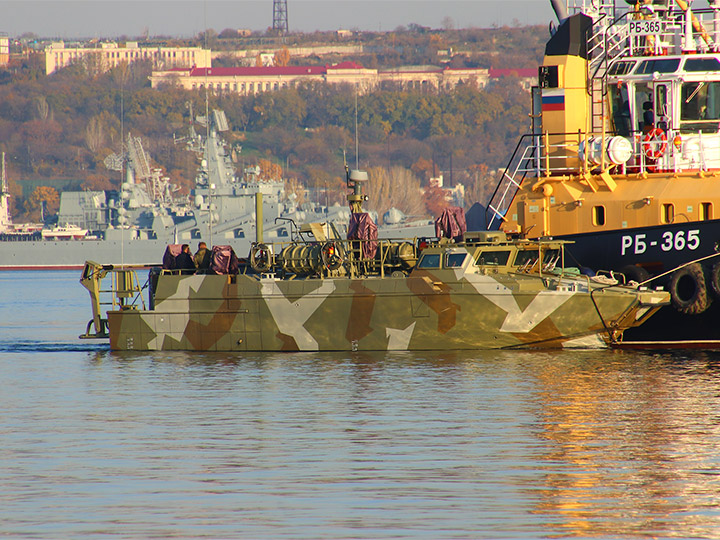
<point>624,155</point>
<point>320,291</point>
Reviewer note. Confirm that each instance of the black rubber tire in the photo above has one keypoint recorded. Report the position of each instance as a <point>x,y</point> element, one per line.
<point>633,272</point>
<point>688,290</point>
<point>714,278</point>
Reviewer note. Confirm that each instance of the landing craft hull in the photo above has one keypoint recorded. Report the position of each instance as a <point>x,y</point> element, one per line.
<point>421,312</point>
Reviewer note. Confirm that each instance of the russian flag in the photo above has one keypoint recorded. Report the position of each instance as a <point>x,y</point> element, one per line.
<point>553,100</point>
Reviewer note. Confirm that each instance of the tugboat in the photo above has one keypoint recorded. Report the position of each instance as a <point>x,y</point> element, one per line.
<point>624,155</point>
<point>322,292</point>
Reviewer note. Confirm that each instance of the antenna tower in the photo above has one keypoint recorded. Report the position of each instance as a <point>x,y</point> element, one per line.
<point>280,19</point>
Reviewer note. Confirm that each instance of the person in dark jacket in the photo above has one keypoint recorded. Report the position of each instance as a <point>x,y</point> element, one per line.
<point>202,258</point>
<point>184,262</point>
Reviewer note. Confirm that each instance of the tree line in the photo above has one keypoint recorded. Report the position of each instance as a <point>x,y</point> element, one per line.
<point>59,130</point>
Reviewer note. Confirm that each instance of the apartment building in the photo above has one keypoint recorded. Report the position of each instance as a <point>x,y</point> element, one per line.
<point>106,55</point>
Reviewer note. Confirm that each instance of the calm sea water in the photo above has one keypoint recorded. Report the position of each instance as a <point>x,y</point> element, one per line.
<point>559,444</point>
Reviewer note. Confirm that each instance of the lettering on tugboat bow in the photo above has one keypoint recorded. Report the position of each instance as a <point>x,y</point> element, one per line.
<point>668,241</point>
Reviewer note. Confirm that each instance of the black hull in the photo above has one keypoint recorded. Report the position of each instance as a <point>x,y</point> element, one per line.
<point>658,249</point>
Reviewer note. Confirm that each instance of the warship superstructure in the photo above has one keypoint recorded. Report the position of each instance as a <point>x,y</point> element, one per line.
<point>624,154</point>
<point>133,225</point>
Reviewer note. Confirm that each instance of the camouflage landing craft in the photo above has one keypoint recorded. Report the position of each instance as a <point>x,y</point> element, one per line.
<point>327,294</point>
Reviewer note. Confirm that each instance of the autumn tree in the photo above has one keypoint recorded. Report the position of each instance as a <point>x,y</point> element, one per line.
<point>43,200</point>
<point>394,187</point>
<point>282,57</point>
<point>435,202</point>
<point>423,168</point>
<point>269,171</point>
<point>98,182</point>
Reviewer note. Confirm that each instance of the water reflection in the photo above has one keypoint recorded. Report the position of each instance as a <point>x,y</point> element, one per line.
<point>372,445</point>
<point>630,445</point>
<point>579,444</point>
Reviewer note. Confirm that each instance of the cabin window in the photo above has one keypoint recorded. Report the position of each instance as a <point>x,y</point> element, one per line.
<point>668,213</point>
<point>239,233</point>
<point>195,234</point>
<point>455,260</point>
<point>598,216</point>
<point>700,106</point>
<point>494,258</point>
<point>667,65</point>
<point>702,64</point>
<point>282,231</point>
<point>621,68</point>
<point>706,211</point>
<point>429,260</point>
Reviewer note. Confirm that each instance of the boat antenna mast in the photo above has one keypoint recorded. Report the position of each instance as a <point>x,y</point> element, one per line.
<point>354,180</point>
<point>5,220</point>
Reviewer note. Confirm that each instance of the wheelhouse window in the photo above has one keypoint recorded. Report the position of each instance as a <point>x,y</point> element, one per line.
<point>702,64</point>
<point>621,68</point>
<point>493,258</point>
<point>455,260</point>
<point>700,106</point>
<point>598,216</point>
<point>667,65</point>
<point>429,260</point>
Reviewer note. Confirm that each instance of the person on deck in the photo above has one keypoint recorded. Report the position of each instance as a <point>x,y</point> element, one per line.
<point>184,261</point>
<point>202,258</point>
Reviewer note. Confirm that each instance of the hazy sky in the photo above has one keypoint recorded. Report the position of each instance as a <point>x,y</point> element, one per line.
<point>112,18</point>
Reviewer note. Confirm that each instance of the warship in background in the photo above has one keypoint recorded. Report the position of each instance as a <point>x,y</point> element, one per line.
<point>134,225</point>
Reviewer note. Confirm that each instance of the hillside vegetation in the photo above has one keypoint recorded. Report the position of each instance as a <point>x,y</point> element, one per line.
<point>57,130</point>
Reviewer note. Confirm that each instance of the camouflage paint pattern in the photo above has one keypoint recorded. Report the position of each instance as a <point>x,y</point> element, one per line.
<point>467,307</point>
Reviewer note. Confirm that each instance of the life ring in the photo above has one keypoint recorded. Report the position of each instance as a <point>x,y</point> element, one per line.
<point>634,272</point>
<point>260,258</point>
<point>688,290</point>
<point>332,255</point>
<point>715,279</point>
<point>654,143</point>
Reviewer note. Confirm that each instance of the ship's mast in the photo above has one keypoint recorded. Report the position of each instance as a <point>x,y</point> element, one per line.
<point>5,220</point>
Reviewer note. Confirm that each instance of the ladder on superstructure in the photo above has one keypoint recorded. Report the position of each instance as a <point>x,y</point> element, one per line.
<point>608,41</point>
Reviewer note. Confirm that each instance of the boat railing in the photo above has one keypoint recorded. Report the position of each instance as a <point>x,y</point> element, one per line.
<point>676,27</point>
<point>562,155</point>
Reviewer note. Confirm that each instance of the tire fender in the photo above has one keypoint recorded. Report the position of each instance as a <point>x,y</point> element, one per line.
<point>689,291</point>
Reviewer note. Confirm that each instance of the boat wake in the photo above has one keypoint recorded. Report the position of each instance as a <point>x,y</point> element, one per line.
<point>41,346</point>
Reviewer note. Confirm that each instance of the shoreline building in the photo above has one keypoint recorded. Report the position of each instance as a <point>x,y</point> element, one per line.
<point>107,55</point>
<point>4,49</point>
<point>252,80</point>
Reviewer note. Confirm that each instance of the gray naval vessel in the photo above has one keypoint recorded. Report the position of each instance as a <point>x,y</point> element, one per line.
<point>136,223</point>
